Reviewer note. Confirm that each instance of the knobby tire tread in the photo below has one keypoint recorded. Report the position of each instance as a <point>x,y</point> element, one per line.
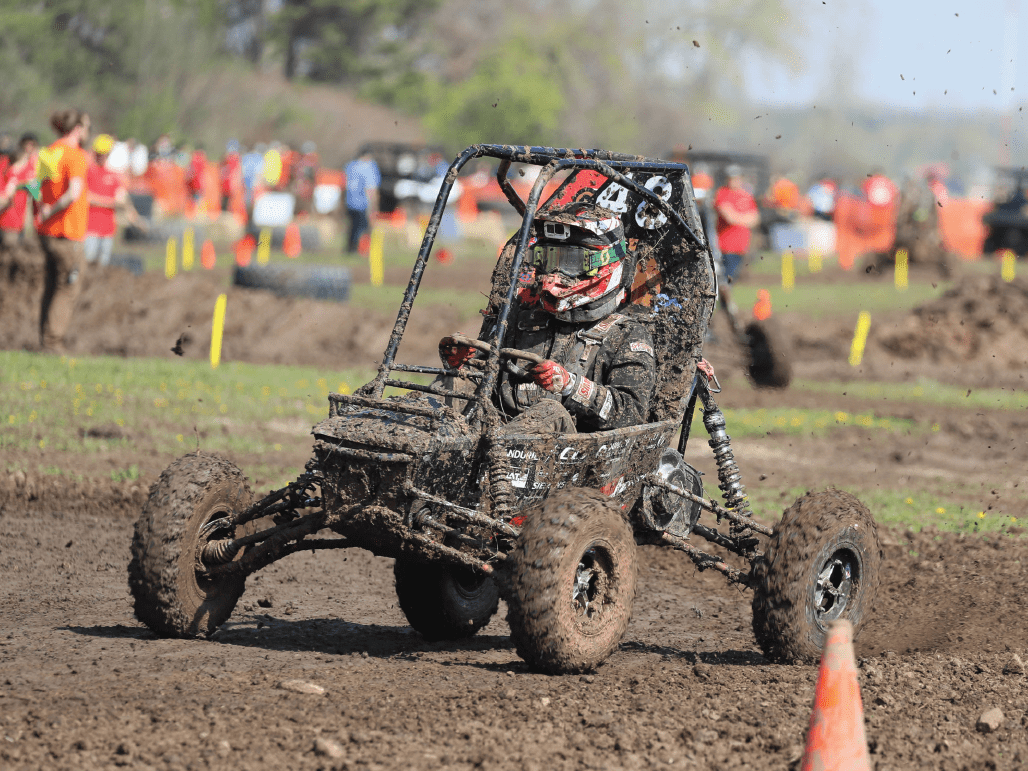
<point>164,533</point>
<point>553,537</point>
<point>783,621</point>
<point>428,600</point>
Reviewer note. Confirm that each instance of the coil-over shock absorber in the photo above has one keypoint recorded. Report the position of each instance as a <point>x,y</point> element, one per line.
<point>499,475</point>
<point>729,477</point>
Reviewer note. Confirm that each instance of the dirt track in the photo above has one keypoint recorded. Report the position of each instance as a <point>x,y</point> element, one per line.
<point>83,685</point>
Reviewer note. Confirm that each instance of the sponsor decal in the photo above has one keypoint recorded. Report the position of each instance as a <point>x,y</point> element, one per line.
<point>522,454</point>
<point>583,394</point>
<point>639,346</point>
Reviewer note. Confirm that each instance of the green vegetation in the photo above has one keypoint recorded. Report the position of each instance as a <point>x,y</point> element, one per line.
<point>903,510</point>
<point>797,422</point>
<point>95,404</point>
<point>923,392</point>
<point>820,300</point>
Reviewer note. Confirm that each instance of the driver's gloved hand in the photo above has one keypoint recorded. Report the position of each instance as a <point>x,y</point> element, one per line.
<point>551,376</point>
<point>453,354</point>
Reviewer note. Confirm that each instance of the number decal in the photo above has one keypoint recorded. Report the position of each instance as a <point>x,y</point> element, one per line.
<point>614,197</point>
<point>648,216</point>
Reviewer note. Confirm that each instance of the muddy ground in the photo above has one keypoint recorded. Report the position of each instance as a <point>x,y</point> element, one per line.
<point>84,685</point>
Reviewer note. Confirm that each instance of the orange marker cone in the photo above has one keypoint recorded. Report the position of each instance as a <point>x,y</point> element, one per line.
<point>291,241</point>
<point>762,308</point>
<point>207,255</point>
<point>244,251</point>
<point>444,256</point>
<point>364,245</point>
<point>836,740</point>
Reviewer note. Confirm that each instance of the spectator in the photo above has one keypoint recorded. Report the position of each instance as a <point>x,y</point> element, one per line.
<point>362,182</point>
<point>737,215</point>
<point>107,193</point>
<point>305,176</point>
<point>13,193</point>
<point>822,195</point>
<point>252,165</point>
<point>231,176</point>
<point>63,213</point>
<point>195,173</point>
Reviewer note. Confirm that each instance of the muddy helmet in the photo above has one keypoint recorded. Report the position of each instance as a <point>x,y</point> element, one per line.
<point>578,254</point>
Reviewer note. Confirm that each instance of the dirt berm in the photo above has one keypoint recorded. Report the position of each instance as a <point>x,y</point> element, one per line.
<point>125,315</point>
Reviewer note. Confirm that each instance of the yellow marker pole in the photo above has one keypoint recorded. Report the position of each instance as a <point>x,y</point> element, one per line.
<point>788,272</point>
<point>187,249</point>
<point>264,247</point>
<point>375,262</point>
<point>170,267</point>
<point>1009,268</point>
<point>860,338</point>
<point>814,261</point>
<point>901,270</point>
<point>217,330</point>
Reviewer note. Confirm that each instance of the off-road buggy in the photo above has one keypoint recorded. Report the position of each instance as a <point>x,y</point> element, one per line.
<point>1006,224</point>
<point>549,522</point>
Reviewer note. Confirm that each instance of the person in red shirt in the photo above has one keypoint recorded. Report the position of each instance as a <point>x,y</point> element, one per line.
<point>63,211</point>
<point>737,215</point>
<point>107,193</point>
<point>195,174</point>
<point>231,173</point>
<point>13,194</point>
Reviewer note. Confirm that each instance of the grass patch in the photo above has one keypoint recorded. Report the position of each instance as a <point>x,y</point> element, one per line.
<point>795,422</point>
<point>901,510</point>
<point>821,300</point>
<point>96,404</point>
<point>923,392</point>
<point>386,299</point>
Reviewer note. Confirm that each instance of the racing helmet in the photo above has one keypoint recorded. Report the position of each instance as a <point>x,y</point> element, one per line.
<point>578,255</point>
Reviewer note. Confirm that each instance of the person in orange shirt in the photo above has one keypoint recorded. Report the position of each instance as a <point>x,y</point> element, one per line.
<point>63,213</point>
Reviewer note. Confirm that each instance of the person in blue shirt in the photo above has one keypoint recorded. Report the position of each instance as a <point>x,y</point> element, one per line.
<point>363,179</point>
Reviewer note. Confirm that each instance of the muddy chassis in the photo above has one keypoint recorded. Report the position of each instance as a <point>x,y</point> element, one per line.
<point>471,512</point>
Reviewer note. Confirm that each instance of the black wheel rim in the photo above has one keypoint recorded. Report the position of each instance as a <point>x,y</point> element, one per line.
<point>835,585</point>
<point>591,586</point>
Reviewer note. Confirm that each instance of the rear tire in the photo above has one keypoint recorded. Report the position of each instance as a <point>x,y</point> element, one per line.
<point>822,563</point>
<point>173,596</point>
<point>444,603</point>
<point>573,579</point>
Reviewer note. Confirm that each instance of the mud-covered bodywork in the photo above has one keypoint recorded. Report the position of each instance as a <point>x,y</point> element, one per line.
<point>424,465</point>
<point>413,456</point>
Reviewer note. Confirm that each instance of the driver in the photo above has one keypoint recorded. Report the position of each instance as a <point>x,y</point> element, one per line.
<point>598,364</point>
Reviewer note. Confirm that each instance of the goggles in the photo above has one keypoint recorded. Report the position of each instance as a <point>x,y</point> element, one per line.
<point>575,261</point>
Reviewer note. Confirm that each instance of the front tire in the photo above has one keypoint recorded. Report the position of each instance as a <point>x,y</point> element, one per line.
<point>823,563</point>
<point>444,603</point>
<point>173,595</point>
<point>573,579</point>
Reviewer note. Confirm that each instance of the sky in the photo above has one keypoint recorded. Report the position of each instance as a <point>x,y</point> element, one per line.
<point>909,54</point>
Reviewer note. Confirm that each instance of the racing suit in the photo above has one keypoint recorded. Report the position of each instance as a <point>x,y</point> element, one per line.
<point>612,361</point>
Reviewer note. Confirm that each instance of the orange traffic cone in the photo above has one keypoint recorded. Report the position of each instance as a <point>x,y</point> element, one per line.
<point>762,308</point>
<point>291,241</point>
<point>244,251</point>
<point>207,255</point>
<point>836,740</point>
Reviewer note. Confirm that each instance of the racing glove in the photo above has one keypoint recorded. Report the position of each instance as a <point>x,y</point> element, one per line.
<point>453,354</point>
<point>551,376</point>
